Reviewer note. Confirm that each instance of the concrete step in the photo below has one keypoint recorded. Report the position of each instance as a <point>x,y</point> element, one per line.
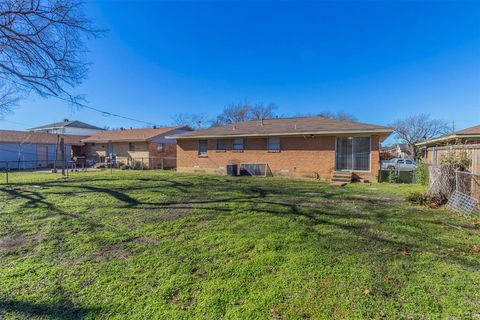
<point>341,178</point>
<point>341,173</point>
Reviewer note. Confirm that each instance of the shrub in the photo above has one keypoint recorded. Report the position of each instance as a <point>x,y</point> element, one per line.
<point>136,165</point>
<point>457,156</point>
<point>422,174</point>
<point>392,176</point>
<point>419,198</point>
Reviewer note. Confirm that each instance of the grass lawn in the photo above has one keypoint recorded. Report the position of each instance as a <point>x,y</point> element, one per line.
<point>156,245</point>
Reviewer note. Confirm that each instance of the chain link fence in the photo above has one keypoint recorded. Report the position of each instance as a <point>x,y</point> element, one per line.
<point>18,171</point>
<point>397,176</point>
<point>466,195</point>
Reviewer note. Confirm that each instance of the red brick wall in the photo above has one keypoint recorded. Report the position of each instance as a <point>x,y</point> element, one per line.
<point>169,150</point>
<point>299,156</point>
<point>166,158</point>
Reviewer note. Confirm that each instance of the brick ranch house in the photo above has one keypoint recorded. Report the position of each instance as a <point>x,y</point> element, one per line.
<point>303,146</point>
<point>147,147</point>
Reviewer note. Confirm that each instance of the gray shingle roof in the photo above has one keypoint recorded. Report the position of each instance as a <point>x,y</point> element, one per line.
<point>63,124</point>
<point>286,126</point>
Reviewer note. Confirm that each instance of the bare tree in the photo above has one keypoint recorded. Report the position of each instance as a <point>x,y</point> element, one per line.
<point>244,111</point>
<point>42,48</point>
<point>415,129</point>
<point>340,115</point>
<point>236,112</point>
<point>193,120</point>
<point>261,111</point>
<point>8,98</point>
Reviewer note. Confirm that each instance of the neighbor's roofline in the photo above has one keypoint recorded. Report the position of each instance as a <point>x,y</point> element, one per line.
<point>323,133</point>
<point>449,137</point>
<point>63,127</point>
<point>149,139</point>
<point>116,140</point>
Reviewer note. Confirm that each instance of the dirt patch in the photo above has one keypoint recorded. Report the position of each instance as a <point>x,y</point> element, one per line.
<point>110,252</point>
<point>13,242</point>
<point>190,302</point>
<point>39,237</point>
<point>174,297</point>
<point>373,198</point>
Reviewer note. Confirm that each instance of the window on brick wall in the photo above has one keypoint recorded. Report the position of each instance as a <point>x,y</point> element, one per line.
<point>161,147</point>
<point>202,147</point>
<point>131,146</point>
<point>238,144</point>
<point>273,144</point>
<point>221,145</point>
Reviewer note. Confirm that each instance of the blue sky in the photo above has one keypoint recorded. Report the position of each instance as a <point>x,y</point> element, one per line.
<point>379,60</point>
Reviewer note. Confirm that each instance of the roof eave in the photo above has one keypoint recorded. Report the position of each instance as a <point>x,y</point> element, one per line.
<point>447,138</point>
<point>317,133</point>
<point>114,140</point>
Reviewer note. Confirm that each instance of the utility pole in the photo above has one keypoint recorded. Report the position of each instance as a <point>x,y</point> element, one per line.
<point>56,155</point>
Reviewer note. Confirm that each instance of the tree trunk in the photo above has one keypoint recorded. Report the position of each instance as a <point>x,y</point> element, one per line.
<point>442,182</point>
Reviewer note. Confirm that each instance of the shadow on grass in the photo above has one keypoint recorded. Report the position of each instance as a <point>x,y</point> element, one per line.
<point>64,310</point>
<point>33,198</point>
<point>361,217</point>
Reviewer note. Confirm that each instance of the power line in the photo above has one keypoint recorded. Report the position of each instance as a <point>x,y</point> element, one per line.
<point>103,112</point>
<point>106,113</point>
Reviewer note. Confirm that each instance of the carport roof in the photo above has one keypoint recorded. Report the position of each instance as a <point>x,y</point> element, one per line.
<point>25,137</point>
<point>130,135</point>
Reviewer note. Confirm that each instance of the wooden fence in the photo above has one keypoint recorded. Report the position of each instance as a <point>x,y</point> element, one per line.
<point>435,155</point>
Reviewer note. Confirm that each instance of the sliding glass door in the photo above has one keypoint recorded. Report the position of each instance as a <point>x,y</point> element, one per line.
<point>353,154</point>
<point>344,154</point>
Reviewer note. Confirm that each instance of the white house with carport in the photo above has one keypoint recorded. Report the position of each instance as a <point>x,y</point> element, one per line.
<point>33,150</point>
<point>67,127</point>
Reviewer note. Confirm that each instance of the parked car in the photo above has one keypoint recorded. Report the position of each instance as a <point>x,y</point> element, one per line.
<point>400,164</point>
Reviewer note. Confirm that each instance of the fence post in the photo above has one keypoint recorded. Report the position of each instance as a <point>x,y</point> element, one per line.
<point>7,172</point>
<point>457,183</point>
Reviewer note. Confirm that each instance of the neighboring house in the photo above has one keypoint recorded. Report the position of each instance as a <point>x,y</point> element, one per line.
<point>31,150</point>
<point>67,127</point>
<point>467,139</point>
<point>398,150</point>
<point>303,146</point>
<point>149,147</point>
